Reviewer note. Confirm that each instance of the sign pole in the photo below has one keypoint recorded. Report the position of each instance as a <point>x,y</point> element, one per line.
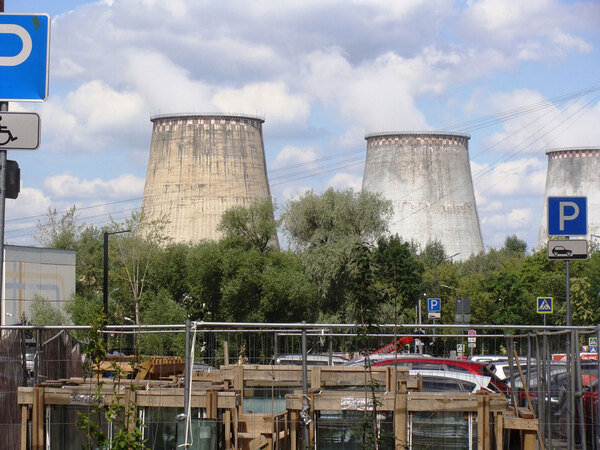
<point>567,292</point>
<point>3,158</point>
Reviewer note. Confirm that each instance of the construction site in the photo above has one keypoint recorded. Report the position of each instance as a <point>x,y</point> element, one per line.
<point>295,386</point>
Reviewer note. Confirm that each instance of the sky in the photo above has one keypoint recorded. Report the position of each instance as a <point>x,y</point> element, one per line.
<point>521,77</point>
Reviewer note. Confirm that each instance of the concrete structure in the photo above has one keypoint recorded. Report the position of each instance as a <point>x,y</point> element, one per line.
<point>201,165</point>
<point>31,271</point>
<point>427,177</point>
<point>573,172</point>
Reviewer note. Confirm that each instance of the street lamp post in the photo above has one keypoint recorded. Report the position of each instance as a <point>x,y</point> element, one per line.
<point>105,280</point>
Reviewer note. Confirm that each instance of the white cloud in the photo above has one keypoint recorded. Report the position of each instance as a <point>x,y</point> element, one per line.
<point>344,180</point>
<point>293,156</point>
<point>271,99</point>
<point>516,219</point>
<point>518,178</point>
<point>376,95</point>
<point>125,186</point>
<point>546,125</point>
<point>528,30</point>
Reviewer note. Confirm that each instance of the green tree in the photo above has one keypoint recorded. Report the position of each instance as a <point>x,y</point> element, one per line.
<point>324,228</point>
<point>162,309</point>
<point>59,231</point>
<point>333,216</point>
<point>252,226</point>
<point>43,312</point>
<point>398,273</point>
<point>515,245</point>
<point>204,277</point>
<point>137,253</point>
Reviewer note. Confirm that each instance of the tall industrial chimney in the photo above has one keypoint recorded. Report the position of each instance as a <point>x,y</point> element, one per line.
<point>427,177</point>
<point>573,172</point>
<point>201,165</point>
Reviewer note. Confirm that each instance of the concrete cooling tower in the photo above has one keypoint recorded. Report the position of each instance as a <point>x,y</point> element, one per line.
<point>427,177</point>
<point>573,172</point>
<point>201,165</point>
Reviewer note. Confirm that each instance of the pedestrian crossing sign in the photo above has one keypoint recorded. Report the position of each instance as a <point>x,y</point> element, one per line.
<point>544,305</point>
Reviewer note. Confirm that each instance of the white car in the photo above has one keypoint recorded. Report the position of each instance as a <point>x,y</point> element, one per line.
<point>445,381</point>
<point>311,360</point>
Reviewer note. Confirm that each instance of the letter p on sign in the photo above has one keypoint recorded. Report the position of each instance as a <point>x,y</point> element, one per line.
<point>567,216</point>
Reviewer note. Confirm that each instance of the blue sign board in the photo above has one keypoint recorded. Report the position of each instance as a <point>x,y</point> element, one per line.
<point>545,305</point>
<point>567,216</point>
<point>593,342</point>
<point>434,304</point>
<point>24,54</point>
<point>593,349</point>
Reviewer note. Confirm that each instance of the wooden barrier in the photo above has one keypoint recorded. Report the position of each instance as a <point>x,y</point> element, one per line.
<point>220,394</point>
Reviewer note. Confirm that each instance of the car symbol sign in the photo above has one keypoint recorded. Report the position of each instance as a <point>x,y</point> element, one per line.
<point>567,249</point>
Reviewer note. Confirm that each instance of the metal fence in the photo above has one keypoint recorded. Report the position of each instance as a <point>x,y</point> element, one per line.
<point>549,370</point>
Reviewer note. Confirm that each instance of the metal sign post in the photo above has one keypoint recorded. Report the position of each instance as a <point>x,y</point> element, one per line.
<point>567,216</point>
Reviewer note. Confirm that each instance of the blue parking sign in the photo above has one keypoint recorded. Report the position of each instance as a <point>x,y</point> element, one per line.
<point>24,54</point>
<point>434,304</point>
<point>567,216</point>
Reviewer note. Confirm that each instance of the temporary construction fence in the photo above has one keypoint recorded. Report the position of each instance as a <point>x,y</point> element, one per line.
<point>243,385</point>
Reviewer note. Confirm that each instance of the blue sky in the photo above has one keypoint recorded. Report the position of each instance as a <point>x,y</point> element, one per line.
<point>323,73</point>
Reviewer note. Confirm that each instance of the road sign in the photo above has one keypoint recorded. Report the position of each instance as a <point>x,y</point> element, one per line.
<point>459,348</point>
<point>568,249</point>
<point>463,310</point>
<point>471,339</point>
<point>19,131</point>
<point>594,349</point>
<point>567,216</point>
<point>434,304</point>
<point>472,344</point>
<point>545,305</point>
<point>24,55</point>
<point>593,341</point>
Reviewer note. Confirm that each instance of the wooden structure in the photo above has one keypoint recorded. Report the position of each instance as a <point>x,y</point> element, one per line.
<point>221,395</point>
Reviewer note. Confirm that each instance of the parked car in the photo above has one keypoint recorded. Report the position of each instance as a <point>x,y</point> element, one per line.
<point>311,359</point>
<point>449,365</point>
<point>445,381</point>
<point>374,359</point>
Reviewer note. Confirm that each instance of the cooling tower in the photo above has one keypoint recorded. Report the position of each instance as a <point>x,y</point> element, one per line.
<point>201,165</point>
<point>573,172</point>
<point>427,177</point>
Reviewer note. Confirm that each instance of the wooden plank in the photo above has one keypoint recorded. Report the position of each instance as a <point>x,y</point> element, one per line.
<point>258,443</point>
<point>525,413</point>
<point>400,421</point>
<point>226,353</point>
<point>483,422</point>
<point>24,417</point>
<point>499,431</point>
<point>227,426</point>
<point>294,417</point>
<point>315,378</point>
<point>529,438</point>
<point>37,419</point>
<point>518,423</point>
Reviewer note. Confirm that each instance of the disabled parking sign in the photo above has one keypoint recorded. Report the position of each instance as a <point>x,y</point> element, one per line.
<point>24,55</point>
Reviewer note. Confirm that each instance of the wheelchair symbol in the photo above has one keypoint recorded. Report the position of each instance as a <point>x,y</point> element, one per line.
<point>9,137</point>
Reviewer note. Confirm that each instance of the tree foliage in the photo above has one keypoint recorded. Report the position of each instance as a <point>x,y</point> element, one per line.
<point>335,216</point>
<point>342,264</point>
<point>252,227</point>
